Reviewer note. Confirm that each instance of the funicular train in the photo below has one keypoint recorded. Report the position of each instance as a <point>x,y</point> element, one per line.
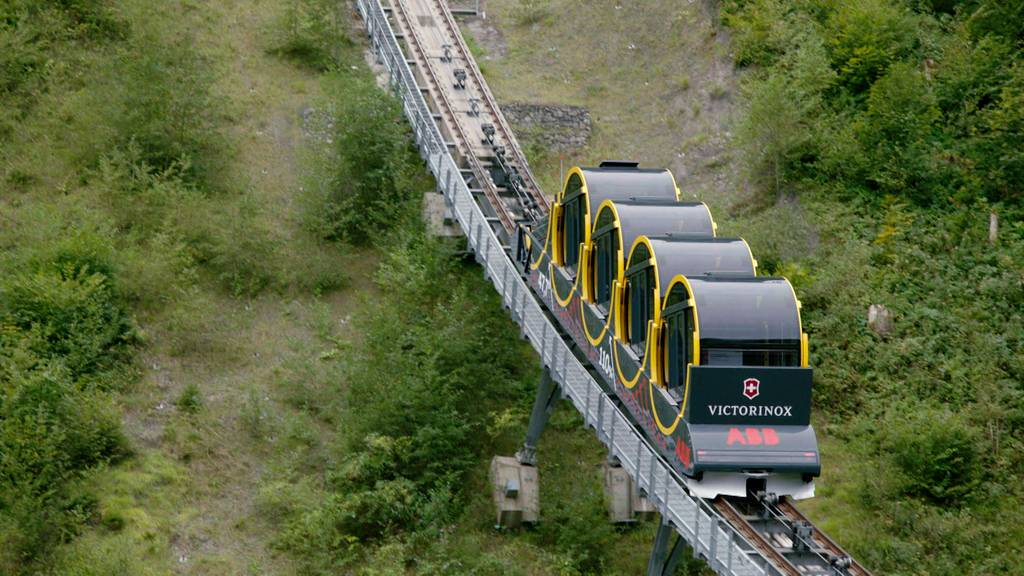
<point>709,358</point>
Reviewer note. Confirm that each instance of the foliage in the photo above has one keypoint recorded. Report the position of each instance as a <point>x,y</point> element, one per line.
<point>895,105</point>
<point>309,34</point>
<point>65,334</point>
<point>938,454</point>
<point>900,150</point>
<point>580,530</point>
<point>865,37</point>
<point>189,401</point>
<point>155,97</point>
<point>30,31</point>
<point>113,205</point>
<point>531,12</point>
<point>449,359</point>
<point>51,431</point>
<point>372,181</point>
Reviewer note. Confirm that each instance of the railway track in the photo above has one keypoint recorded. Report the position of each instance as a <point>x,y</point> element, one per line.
<point>460,130</point>
<point>479,135</point>
<point>783,535</point>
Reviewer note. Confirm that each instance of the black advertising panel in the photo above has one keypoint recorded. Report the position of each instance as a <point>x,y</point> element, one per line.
<point>749,395</point>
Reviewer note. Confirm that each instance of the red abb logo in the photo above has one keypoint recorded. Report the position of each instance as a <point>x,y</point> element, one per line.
<point>753,437</point>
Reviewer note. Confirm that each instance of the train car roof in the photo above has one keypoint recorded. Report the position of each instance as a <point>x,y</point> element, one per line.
<point>657,218</point>
<point>758,309</point>
<point>619,181</point>
<point>694,256</point>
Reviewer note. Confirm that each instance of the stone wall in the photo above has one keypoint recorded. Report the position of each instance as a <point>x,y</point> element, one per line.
<point>557,127</point>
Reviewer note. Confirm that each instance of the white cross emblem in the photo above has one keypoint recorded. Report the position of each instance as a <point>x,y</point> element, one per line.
<point>751,388</point>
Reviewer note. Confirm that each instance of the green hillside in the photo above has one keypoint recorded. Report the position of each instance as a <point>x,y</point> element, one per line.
<point>905,137</point>
<point>214,279</point>
<point>860,147</point>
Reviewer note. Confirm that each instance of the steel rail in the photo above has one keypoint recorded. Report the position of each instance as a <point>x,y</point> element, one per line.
<point>817,536</point>
<point>424,63</point>
<point>723,542</point>
<point>501,123</point>
<point>760,542</point>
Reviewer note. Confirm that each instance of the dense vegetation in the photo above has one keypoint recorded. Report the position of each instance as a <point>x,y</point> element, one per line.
<point>114,208</point>
<point>895,128</point>
<point>437,380</point>
<point>131,239</point>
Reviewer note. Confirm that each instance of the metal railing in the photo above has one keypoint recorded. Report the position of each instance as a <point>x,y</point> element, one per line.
<point>710,536</point>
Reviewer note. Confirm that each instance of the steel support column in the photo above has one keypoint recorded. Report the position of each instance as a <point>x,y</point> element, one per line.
<point>543,404</point>
<point>665,557</point>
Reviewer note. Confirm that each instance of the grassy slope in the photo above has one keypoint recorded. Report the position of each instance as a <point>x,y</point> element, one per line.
<point>186,501</point>
<point>209,487</point>
<point>657,80</point>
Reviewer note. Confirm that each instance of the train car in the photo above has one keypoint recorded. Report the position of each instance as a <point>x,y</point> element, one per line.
<point>709,359</point>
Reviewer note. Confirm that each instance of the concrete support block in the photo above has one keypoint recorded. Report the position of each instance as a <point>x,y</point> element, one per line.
<point>516,492</point>
<point>642,507</point>
<point>625,503</point>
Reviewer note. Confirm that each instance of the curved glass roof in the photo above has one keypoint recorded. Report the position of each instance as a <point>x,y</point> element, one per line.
<point>683,219</point>
<point>626,183</point>
<point>699,256</point>
<point>759,310</point>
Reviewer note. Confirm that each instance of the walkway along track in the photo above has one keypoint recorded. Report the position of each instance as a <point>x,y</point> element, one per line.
<point>753,536</point>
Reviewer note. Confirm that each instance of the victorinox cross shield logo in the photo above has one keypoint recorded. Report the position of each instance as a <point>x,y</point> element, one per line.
<point>751,388</point>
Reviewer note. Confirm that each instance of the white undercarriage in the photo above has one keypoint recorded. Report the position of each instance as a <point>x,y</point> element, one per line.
<point>735,484</point>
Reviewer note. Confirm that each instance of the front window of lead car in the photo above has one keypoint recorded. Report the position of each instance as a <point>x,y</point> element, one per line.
<point>748,323</point>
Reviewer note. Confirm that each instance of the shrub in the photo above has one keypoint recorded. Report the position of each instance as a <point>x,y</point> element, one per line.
<point>896,134</point>
<point>242,248</point>
<point>529,12</point>
<point>938,453</point>
<point>50,432</point>
<point>865,37</point>
<point>35,34</point>
<point>435,359</point>
<point>326,537</point>
<point>998,155</point>
<point>370,181</point>
<point>155,97</point>
<point>189,401</point>
<point>775,131</point>
<point>580,530</point>
<point>309,33</point>
<point>68,313</point>
<point>997,17</point>
<point>760,28</point>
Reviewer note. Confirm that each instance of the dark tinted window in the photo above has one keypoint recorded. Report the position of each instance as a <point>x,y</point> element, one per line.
<point>677,340</point>
<point>740,357</point>
<point>605,267</point>
<point>640,306</point>
<point>678,343</point>
<point>746,311</point>
<point>574,212</point>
